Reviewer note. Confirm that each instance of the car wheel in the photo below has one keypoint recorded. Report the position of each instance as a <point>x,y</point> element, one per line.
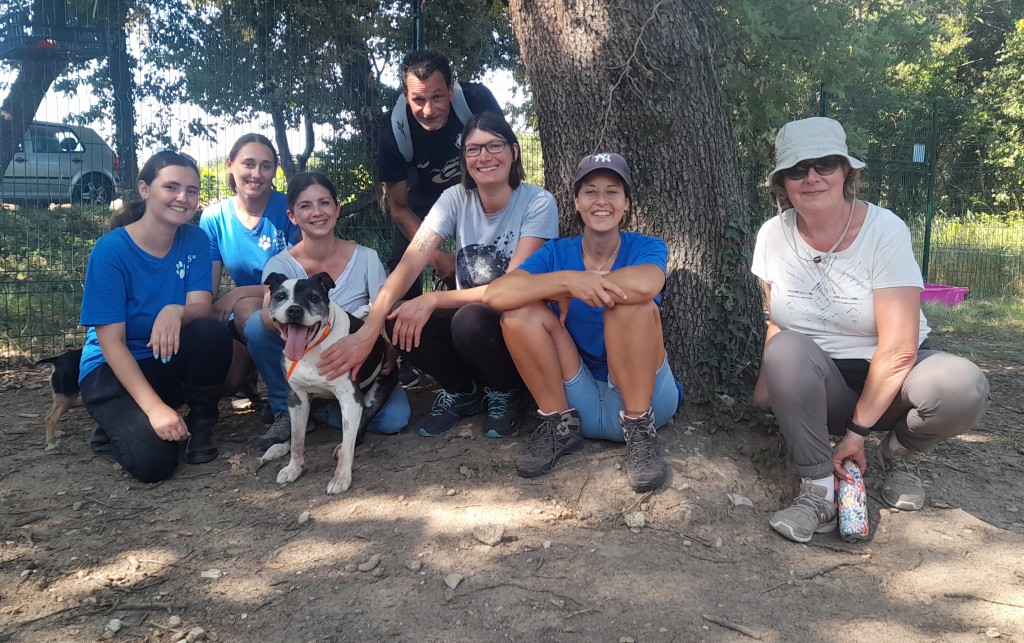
<point>93,189</point>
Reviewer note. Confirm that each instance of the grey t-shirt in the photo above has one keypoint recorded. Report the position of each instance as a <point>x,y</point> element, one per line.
<point>484,243</point>
<point>354,288</point>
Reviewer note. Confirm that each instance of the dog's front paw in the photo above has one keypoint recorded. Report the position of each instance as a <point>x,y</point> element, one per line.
<point>339,483</point>
<point>290,473</point>
<point>276,451</point>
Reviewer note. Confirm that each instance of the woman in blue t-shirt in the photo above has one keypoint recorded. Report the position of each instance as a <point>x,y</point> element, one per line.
<point>245,231</point>
<point>151,344</point>
<point>582,321</point>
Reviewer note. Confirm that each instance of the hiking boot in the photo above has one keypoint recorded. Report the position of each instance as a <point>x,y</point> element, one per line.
<point>267,414</point>
<point>447,409</point>
<point>201,418</point>
<point>504,410</point>
<point>644,466</point>
<point>811,513</point>
<point>558,434</point>
<point>902,488</point>
<point>280,431</point>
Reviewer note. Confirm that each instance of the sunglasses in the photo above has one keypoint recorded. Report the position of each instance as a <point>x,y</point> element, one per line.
<point>821,167</point>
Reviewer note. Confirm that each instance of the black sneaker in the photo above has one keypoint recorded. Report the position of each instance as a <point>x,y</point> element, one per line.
<point>558,434</point>
<point>280,431</point>
<point>504,410</point>
<point>644,466</point>
<point>408,375</point>
<point>447,409</point>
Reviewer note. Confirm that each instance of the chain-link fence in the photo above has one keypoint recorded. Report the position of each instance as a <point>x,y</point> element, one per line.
<point>932,161</point>
<point>126,79</point>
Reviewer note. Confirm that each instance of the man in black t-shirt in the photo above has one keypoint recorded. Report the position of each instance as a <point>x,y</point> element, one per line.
<point>420,145</point>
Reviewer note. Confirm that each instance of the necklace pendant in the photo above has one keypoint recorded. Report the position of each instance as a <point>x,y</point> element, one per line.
<point>817,259</point>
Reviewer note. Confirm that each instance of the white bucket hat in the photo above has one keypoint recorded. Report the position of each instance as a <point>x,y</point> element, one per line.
<point>810,138</point>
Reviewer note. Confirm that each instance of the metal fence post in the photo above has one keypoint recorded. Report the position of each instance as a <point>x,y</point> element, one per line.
<point>417,26</point>
<point>823,102</point>
<point>929,207</point>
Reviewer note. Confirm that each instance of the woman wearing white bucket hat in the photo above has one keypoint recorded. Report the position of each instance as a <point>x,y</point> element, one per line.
<point>847,349</point>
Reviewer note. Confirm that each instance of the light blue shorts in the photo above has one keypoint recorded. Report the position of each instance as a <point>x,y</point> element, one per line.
<point>599,402</point>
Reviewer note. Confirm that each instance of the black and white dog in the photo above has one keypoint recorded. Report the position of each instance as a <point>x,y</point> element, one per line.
<point>309,322</point>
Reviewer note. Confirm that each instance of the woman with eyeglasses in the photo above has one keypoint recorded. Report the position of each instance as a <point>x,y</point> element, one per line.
<point>495,221</point>
<point>847,351</point>
<point>152,345</point>
<point>245,231</point>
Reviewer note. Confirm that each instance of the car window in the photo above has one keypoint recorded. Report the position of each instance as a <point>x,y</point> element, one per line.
<point>45,142</point>
<point>68,141</point>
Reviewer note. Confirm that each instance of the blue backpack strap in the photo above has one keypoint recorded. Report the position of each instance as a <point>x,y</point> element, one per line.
<point>400,119</point>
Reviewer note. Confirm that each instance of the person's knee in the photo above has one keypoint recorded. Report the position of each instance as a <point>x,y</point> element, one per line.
<point>951,387</point>
<point>148,464</point>
<point>632,314</point>
<point>532,315</point>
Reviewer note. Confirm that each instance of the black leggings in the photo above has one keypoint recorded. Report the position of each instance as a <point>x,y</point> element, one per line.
<point>460,347</point>
<point>202,361</point>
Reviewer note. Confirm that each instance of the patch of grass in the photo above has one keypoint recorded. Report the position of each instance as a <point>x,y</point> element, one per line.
<point>983,252</point>
<point>1001,317</point>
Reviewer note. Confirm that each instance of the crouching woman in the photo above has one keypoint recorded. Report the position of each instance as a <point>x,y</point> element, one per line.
<point>582,322</point>
<point>151,344</point>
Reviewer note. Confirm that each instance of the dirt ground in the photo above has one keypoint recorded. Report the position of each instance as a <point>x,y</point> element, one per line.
<point>400,556</point>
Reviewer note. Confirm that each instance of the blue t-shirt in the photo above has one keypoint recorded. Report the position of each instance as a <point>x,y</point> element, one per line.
<point>124,283</point>
<point>244,252</point>
<point>586,323</point>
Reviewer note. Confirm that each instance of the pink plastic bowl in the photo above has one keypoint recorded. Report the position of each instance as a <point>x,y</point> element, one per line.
<point>945,295</point>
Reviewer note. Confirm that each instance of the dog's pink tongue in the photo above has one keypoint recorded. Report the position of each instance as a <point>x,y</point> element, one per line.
<point>295,343</point>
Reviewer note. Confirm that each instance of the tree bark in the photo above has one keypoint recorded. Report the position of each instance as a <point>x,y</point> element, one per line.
<point>281,138</point>
<point>120,66</point>
<point>640,79</point>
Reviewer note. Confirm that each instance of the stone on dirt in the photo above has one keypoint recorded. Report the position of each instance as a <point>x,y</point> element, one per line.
<point>114,625</point>
<point>174,621</point>
<point>740,501</point>
<point>195,634</point>
<point>490,535</point>
<point>303,517</point>
<point>370,564</point>
<point>414,565</point>
<point>453,580</point>
<point>635,520</point>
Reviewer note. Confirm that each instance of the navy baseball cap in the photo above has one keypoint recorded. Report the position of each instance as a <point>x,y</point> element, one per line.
<point>603,161</point>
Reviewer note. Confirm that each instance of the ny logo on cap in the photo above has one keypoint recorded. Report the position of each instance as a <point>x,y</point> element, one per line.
<point>603,158</point>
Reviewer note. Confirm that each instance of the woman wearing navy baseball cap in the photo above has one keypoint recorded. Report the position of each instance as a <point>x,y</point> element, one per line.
<point>582,321</point>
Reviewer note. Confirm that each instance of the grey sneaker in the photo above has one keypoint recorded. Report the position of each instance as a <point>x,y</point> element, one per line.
<point>504,409</point>
<point>809,514</point>
<point>447,409</point>
<point>558,434</point>
<point>280,431</point>
<point>902,487</point>
<point>644,465</point>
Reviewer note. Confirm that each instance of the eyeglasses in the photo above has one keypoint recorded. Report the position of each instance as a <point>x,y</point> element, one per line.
<point>822,167</point>
<point>492,147</point>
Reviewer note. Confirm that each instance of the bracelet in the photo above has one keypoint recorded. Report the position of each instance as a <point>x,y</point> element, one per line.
<point>862,431</point>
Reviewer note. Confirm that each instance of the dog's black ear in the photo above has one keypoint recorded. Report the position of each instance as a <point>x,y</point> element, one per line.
<point>274,280</point>
<point>324,280</point>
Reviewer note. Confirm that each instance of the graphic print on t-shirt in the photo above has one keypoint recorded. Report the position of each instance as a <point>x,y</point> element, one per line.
<point>833,308</point>
<point>479,265</point>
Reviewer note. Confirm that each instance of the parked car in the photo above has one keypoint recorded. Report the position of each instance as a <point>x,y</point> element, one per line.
<point>61,163</point>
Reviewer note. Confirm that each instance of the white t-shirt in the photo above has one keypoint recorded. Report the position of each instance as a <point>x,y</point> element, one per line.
<point>354,288</point>
<point>832,302</point>
<point>484,243</point>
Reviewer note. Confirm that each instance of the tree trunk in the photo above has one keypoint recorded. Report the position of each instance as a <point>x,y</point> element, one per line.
<point>307,128</point>
<point>120,66</point>
<point>640,78</point>
<point>281,138</point>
